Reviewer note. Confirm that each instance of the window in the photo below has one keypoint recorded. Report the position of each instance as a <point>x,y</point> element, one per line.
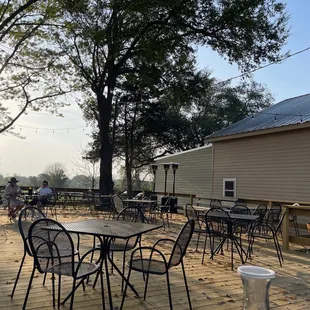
<point>229,187</point>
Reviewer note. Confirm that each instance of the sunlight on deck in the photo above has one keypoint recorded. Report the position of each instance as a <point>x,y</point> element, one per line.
<point>212,285</point>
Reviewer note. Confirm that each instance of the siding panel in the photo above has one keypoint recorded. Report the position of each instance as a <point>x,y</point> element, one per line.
<point>274,166</point>
<point>194,175</point>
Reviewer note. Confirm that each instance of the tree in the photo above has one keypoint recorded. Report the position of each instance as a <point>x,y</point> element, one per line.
<point>56,175</point>
<point>22,76</point>
<point>102,39</point>
<point>219,106</point>
<point>87,170</point>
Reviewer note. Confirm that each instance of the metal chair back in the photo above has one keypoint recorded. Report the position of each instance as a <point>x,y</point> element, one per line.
<point>117,203</point>
<point>274,214</point>
<point>218,222</point>
<point>214,203</point>
<point>27,216</point>
<point>181,243</point>
<point>190,212</point>
<point>240,209</point>
<point>50,244</point>
<point>261,211</point>
<point>132,214</point>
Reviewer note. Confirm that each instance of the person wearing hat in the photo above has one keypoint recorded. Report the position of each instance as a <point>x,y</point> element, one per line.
<point>11,193</point>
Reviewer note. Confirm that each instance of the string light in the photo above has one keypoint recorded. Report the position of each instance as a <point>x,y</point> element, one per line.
<point>51,129</point>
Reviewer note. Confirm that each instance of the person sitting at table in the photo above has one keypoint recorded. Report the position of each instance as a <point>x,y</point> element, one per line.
<point>43,193</point>
<point>10,198</point>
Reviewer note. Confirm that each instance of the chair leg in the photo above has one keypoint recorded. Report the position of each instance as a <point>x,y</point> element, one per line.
<point>232,255</point>
<point>112,253</point>
<point>59,291</point>
<point>197,242</point>
<point>204,249</point>
<point>29,287</point>
<point>53,288</point>
<point>125,290</point>
<point>44,278</point>
<point>279,248</point>
<point>141,256</point>
<point>146,284</point>
<point>73,292</point>
<point>102,290</point>
<point>186,286</point>
<point>276,246</point>
<point>169,290</point>
<point>18,274</point>
<point>124,262</point>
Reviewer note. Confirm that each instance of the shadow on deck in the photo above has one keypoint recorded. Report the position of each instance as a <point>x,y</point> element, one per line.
<point>212,285</point>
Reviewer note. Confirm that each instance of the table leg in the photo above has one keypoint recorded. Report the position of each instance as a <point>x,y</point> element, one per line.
<point>105,259</point>
<point>285,230</point>
<point>123,277</point>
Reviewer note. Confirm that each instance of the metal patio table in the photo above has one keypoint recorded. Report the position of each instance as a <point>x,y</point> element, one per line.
<point>107,229</point>
<point>235,216</point>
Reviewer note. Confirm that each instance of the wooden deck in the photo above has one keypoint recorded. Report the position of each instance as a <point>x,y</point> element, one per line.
<point>212,285</point>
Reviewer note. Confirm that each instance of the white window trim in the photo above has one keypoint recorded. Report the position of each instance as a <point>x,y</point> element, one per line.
<point>235,186</point>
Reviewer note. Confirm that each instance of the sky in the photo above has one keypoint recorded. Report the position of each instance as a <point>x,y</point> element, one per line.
<point>42,146</point>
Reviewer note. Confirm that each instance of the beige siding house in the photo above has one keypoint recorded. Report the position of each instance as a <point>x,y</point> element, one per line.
<point>266,156</point>
<point>274,166</point>
<point>194,174</point>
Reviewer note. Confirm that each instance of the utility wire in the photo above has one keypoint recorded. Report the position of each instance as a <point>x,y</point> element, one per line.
<point>265,66</point>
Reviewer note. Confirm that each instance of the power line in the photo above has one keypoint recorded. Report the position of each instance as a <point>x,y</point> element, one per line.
<point>265,66</point>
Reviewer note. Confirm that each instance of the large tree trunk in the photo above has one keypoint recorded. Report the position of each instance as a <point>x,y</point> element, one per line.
<point>106,149</point>
<point>129,178</point>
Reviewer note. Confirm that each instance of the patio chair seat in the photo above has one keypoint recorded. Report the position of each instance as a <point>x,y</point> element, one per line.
<point>65,268</point>
<point>65,252</point>
<point>262,236</point>
<point>148,266</point>
<point>120,245</point>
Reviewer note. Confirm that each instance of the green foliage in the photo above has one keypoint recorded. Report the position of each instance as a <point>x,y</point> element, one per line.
<point>96,44</point>
<point>26,79</point>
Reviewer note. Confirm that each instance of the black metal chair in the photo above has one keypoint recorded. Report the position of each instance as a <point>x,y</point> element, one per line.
<point>274,214</point>
<point>51,204</point>
<point>240,227</point>
<point>117,205</point>
<point>214,203</point>
<point>240,209</point>
<point>261,211</point>
<point>26,217</point>
<point>53,251</point>
<point>240,202</point>
<point>128,214</point>
<point>159,264</point>
<point>191,214</point>
<point>219,225</point>
<point>267,230</point>
<point>163,212</point>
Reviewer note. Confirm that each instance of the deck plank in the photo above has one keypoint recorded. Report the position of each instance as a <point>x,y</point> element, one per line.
<point>212,285</point>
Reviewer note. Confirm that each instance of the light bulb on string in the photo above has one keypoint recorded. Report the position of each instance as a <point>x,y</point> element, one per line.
<point>252,116</point>
<point>275,117</point>
<point>53,131</point>
<point>301,118</point>
<point>36,130</point>
<point>68,130</point>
